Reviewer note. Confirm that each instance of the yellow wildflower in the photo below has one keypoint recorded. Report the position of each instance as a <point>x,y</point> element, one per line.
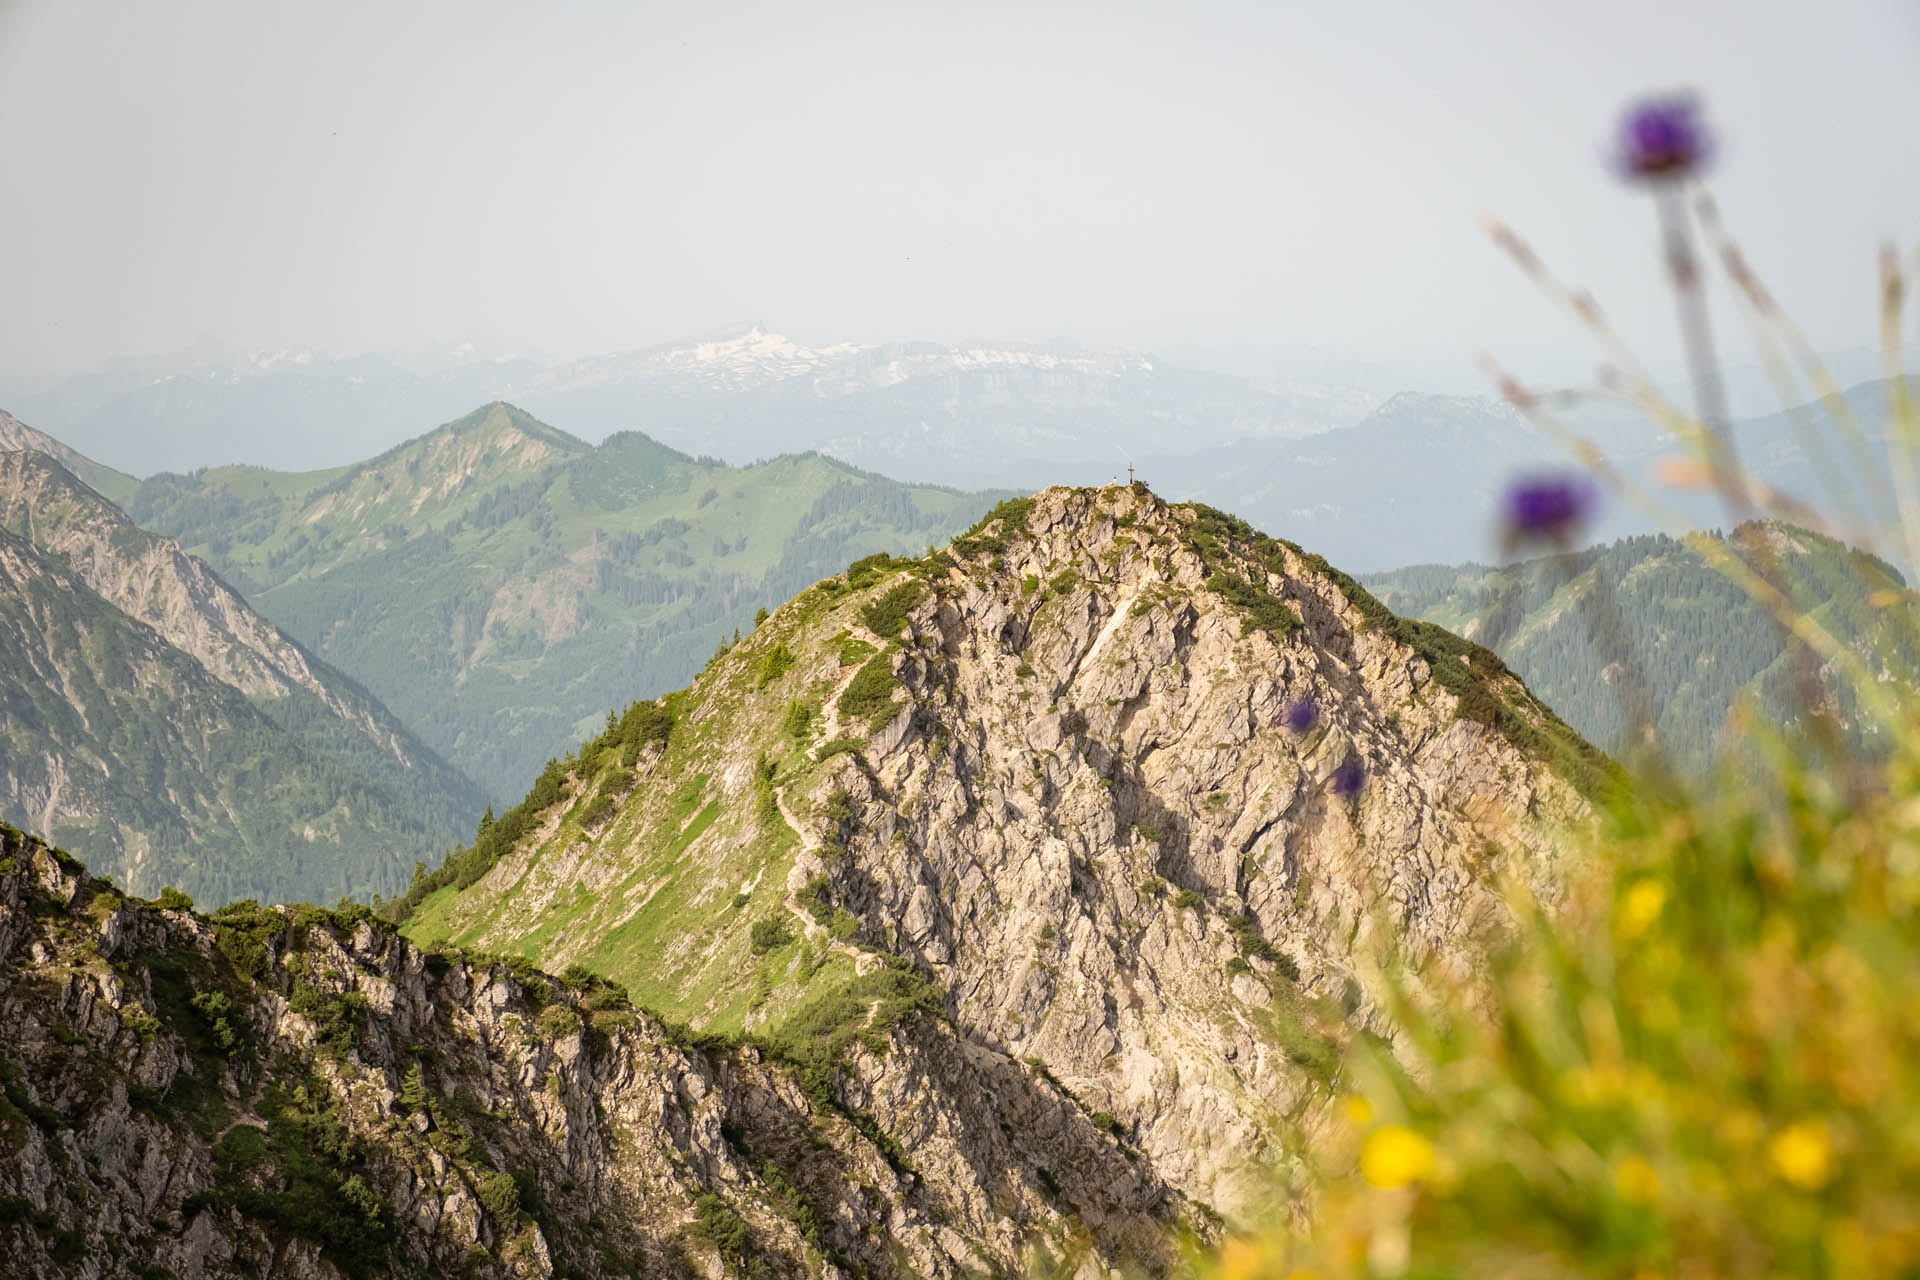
<point>1395,1156</point>
<point>1802,1155</point>
<point>1358,1110</point>
<point>1636,1181</point>
<point>1641,907</point>
<point>1239,1260</point>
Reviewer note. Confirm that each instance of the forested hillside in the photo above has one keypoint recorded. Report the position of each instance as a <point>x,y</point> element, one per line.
<point>148,715</point>
<point>499,583</point>
<point>1700,641</point>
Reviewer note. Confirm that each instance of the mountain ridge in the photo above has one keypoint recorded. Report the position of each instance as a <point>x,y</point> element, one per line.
<point>1059,768</point>
<point>119,639</point>
<point>491,579</point>
<point>1705,649</point>
<point>16,435</point>
<point>297,1090</point>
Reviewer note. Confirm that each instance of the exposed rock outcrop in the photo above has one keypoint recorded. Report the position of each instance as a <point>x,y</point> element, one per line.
<point>1140,791</point>
<point>297,1093</point>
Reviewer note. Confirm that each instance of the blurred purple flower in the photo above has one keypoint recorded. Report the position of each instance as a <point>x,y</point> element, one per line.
<point>1349,777</point>
<point>1547,507</point>
<point>1302,715</point>
<point>1663,138</point>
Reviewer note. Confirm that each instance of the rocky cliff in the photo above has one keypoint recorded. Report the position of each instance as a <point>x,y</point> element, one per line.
<point>1137,793</point>
<point>295,1092</point>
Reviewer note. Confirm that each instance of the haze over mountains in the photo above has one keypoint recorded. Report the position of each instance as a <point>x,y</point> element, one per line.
<point>491,582</point>
<point>911,410</point>
<point>1372,475</point>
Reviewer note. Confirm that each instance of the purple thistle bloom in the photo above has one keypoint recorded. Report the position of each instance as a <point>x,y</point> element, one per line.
<point>1349,777</point>
<point>1547,507</point>
<point>1662,138</point>
<point>1302,715</point>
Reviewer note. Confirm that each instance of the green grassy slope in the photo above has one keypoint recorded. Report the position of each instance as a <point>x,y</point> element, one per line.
<point>1701,642</point>
<point>699,863</point>
<point>498,583</point>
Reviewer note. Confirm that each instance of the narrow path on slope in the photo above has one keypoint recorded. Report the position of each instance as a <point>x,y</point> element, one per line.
<point>830,725</point>
<point>864,962</point>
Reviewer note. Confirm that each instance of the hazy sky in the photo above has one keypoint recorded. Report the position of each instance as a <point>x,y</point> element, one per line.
<point>582,177</point>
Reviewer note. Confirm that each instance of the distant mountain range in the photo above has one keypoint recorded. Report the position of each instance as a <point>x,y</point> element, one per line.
<point>974,414</point>
<point>1371,482</point>
<point>149,714</point>
<point>499,583</point>
<point>1420,479</point>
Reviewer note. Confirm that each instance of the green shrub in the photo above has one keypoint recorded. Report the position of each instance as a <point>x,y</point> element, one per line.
<point>867,570</point>
<point>140,1023</point>
<point>774,663</point>
<point>721,1227</point>
<point>991,535</point>
<point>413,1090</point>
<point>870,691</point>
<point>215,1011</point>
<point>1187,900</point>
<point>171,899</point>
<point>797,725</point>
<point>335,1018</point>
<point>1252,943</point>
<point>853,650</point>
<point>769,934</point>
<point>838,747</point>
<point>557,1022</point>
<point>499,1195</point>
<point>886,615</point>
<point>597,810</point>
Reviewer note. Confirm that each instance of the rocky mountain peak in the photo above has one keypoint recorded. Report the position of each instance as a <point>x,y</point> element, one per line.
<point>1136,790</point>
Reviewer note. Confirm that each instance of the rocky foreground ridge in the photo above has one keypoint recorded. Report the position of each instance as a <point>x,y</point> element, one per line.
<point>1138,793</point>
<point>295,1092</point>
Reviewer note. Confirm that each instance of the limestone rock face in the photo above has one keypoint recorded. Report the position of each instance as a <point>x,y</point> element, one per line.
<point>289,1092</point>
<point>1142,795</point>
<point>1031,838</point>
